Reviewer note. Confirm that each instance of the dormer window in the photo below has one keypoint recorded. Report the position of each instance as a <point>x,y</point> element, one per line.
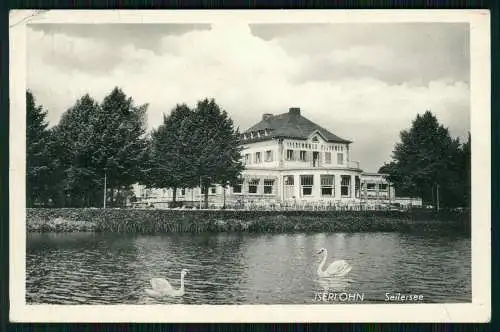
<point>315,139</point>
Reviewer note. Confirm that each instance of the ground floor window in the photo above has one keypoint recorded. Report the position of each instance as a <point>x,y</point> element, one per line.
<point>370,186</point>
<point>288,188</point>
<point>183,192</point>
<point>382,187</point>
<point>288,180</point>
<point>238,187</point>
<point>327,185</point>
<point>268,186</point>
<point>253,185</point>
<point>213,190</point>
<point>345,186</point>
<point>306,182</point>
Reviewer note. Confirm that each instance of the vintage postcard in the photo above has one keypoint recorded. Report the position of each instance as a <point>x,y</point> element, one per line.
<point>250,166</point>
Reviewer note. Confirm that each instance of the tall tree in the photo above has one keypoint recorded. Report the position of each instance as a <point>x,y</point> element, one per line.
<point>425,162</point>
<point>172,152</point>
<point>465,173</point>
<point>74,144</point>
<point>94,141</point>
<point>37,160</point>
<point>119,140</point>
<point>218,151</point>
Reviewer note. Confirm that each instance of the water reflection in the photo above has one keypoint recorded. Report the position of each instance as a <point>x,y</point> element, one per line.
<point>243,268</point>
<point>338,284</point>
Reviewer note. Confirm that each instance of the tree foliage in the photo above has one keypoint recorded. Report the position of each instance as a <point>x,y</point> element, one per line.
<point>119,139</point>
<point>218,151</point>
<point>92,140</point>
<point>37,159</point>
<point>96,140</point>
<point>429,162</point>
<point>172,158</point>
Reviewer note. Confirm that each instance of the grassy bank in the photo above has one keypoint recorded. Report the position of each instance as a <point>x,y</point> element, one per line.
<point>156,221</point>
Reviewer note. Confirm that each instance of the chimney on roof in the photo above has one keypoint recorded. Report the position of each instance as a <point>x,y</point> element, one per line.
<point>294,110</point>
<point>266,116</point>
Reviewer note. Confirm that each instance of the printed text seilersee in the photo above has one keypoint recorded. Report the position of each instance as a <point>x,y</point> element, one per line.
<point>398,297</point>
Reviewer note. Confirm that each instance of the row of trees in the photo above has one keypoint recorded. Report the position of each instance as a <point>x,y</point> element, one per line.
<point>94,143</point>
<point>430,164</point>
<point>67,164</point>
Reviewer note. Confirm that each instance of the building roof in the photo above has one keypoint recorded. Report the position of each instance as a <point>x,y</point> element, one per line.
<point>288,125</point>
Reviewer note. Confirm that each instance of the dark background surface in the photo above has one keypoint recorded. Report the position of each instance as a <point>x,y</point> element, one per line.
<point>4,131</point>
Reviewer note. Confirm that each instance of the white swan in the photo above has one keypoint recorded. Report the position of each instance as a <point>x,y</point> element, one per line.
<point>161,287</point>
<point>336,269</point>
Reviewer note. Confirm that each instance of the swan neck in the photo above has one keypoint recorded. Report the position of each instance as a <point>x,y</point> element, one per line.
<point>323,261</point>
<point>182,281</point>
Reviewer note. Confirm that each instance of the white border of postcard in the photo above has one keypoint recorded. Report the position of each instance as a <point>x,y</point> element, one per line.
<point>477,311</point>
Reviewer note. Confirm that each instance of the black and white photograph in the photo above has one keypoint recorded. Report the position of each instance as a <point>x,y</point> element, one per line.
<point>319,166</point>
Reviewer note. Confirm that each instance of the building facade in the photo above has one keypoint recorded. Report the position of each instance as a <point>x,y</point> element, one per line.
<point>290,162</point>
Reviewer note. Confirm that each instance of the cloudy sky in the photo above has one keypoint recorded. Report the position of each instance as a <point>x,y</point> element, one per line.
<point>363,82</point>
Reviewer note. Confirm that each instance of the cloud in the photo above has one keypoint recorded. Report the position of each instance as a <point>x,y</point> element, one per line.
<point>367,93</point>
<point>395,53</point>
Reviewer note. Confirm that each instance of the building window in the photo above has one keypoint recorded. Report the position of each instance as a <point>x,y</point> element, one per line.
<point>382,186</point>
<point>328,157</point>
<point>345,186</point>
<point>327,185</point>
<point>258,160</point>
<point>268,186</point>
<point>248,159</point>
<point>238,187</point>
<point>370,186</point>
<point>252,186</point>
<point>302,155</point>
<point>340,158</point>
<point>288,180</point>
<point>183,192</point>
<point>213,190</point>
<point>289,154</point>
<point>269,155</point>
<point>306,182</point>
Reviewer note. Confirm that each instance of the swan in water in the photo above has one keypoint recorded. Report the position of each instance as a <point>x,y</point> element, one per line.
<point>336,269</point>
<point>161,287</point>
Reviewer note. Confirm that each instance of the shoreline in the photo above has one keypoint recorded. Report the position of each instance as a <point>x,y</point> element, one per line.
<point>125,220</point>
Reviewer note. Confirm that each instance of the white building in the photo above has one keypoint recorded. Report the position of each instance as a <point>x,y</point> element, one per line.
<point>290,162</point>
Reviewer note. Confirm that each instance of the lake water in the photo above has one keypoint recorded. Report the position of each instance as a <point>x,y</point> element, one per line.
<point>87,268</point>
